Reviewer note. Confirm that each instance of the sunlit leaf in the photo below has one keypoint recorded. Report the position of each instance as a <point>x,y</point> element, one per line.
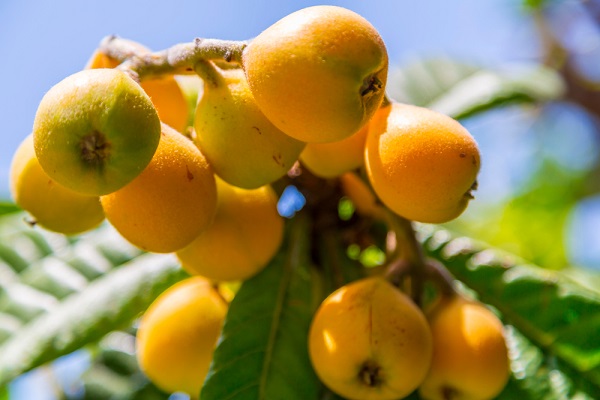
<point>534,221</point>
<point>534,4</point>
<point>262,353</point>
<point>537,375</point>
<point>114,373</point>
<point>8,208</point>
<point>108,303</point>
<point>560,316</point>
<point>461,90</point>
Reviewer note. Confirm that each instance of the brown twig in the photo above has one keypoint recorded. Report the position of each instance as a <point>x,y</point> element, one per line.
<point>407,259</point>
<point>178,59</point>
<point>441,277</point>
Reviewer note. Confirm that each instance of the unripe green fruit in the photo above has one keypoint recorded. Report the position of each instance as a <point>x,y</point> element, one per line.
<point>95,131</point>
<point>166,94</point>
<point>244,148</point>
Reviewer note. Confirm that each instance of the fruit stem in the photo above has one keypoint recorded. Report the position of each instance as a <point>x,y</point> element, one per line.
<point>209,73</point>
<point>330,244</point>
<point>386,101</point>
<point>178,59</point>
<point>407,258</point>
<point>216,287</point>
<point>441,277</point>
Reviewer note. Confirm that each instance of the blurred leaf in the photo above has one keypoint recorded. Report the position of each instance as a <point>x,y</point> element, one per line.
<point>558,315</point>
<point>108,303</point>
<point>262,353</point>
<point>461,90</point>
<point>114,373</point>
<point>192,88</point>
<point>38,268</point>
<point>8,208</point>
<point>534,4</point>
<point>533,222</point>
<point>585,277</point>
<point>102,383</point>
<point>540,376</point>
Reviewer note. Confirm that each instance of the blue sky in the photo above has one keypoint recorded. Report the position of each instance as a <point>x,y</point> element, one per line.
<point>42,42</point>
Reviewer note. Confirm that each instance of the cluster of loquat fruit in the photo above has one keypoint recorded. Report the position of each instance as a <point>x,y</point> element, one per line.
<point>310,89</point>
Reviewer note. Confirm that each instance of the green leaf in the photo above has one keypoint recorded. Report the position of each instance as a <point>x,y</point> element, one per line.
<point>461,90</point>
<point>37,267</point>
<point>533,5</point>
<point>114,372</point>
<point>21,245</point>
<point>262,353</point>
<point>533,224</point>
<point>8,208</point>
<point>537,375</point>
<point>108,303</point>
<point>560,316</point>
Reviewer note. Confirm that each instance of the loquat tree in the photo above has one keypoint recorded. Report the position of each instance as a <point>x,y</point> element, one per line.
<point>271,229</point>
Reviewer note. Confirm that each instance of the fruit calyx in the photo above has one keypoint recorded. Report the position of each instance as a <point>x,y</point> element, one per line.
<point>448,393</point>
<point>371,85</point>
<point>469,193</point>
<point>369,374</point>
<point>95,149</point>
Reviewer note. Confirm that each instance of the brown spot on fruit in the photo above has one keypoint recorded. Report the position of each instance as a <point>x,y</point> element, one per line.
<point>277,158</point>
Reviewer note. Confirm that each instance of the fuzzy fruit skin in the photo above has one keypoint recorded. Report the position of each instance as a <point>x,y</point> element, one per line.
<point>421,164</point>
<point>170,202</point>
<point>370,322</point>
<point>165,93</point>
<point>178,334</point>
<point>108,106</point>
<point>53,206</point>
<point>243,146</point>
<point>329,160</point>
<point>246,233</point>
<point>470,358</point>
<point>309,73</point>
<point>169,100</point>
